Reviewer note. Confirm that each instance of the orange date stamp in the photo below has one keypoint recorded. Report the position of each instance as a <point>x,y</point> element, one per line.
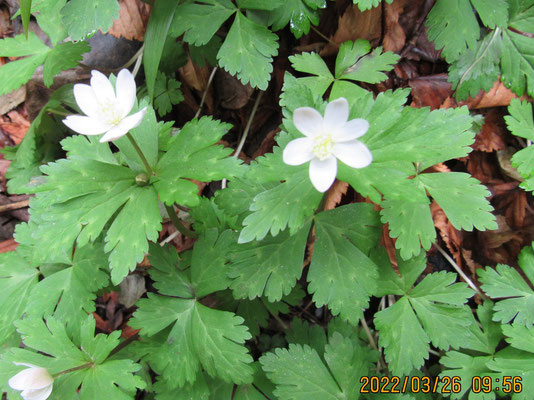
<point>440,384</point>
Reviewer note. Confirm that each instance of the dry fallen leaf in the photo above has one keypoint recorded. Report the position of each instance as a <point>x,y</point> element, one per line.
<point>492,135</point>
<point>15,125</point>
<point>133,19</point>
<point>354,24</point>
<point>336,192</point>
<point>394,36</point>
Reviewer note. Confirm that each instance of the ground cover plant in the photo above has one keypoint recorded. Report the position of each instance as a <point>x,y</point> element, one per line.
<point>304,199</point>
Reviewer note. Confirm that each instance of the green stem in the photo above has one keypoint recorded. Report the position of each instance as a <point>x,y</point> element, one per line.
<point>141,155</point>
<point>178,224</point>
<point>83,366</point>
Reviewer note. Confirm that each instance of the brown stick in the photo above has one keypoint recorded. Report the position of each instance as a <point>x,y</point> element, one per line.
<point>14,206</point>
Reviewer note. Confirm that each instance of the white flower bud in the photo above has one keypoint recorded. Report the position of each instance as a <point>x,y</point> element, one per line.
<point>34,382</point>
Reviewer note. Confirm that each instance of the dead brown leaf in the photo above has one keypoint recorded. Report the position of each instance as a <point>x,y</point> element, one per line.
<point>394,37</point>
<point>8,245</point>
<point>195,77</point>
<point>15,125</point>
<point>493,133</point>
<point>354,24</point>
<point>435,91</point>
<point>451,237</point>
<point>334,195</point>
<point>133,19</point>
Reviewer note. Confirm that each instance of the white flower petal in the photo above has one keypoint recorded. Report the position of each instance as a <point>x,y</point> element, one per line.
<point>336,114</point>
<point>103,88</point>
<point>86,100</point>
<point>323,173</point>
<point>298,151</point>
<point>124,127</point>
<point>355,154</point>
<point>308,121</point>
<point>37,394</point>
<point>31,378</point>
<point>86,125</point>
<point>125,89</point>
<point>351,130</point>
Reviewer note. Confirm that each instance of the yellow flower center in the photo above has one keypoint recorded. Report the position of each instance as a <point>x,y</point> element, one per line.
<point>111,115</point>
<point>323,145</point>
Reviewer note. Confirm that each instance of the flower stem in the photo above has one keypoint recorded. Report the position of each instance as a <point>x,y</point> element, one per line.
<point>178,224</point>
<point>141,155</point>
<point>83,366</point>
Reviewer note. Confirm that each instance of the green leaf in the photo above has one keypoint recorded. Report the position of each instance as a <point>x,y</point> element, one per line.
<point>205,338</point>
<point>521,15</point>
<point>83,18</point>
<point>478,68</point>
<point>302,333</point>
<point>520,121</point>
<point>518,365</point>
<point>294,201</point>
<point>368,4</point>
<point>25,12</point>
<point>312,63</point>
<point>494,14</point>
<point>259,4</point>
<point>161,16</point>
<point>466,367</point>
<point>190,18</point>
<point>193,154</point>
<point>62,57</point>
<point>17,279</point>
<point>365,67</point>
<point>69,293</point>
<point>248,52</point>
<point>452,191</point>
<point>504,281</point>
<point>40,143</point>
<point>269,267</point>
<point>166,94</point>
<point>517,62</point>
<point>80,197</point>
<point>101,378</point>
<point>341,274</point>
<point>453,27</point>
<point>48,15</point>
<point>433,311</point>
<point>299,14</point>
<point>299,373</point>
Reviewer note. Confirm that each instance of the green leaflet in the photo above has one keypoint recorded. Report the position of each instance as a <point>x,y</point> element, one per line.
<point>205,337</point>
<point>17,279</point>
<point>341,274</point>
<point>453,27</point>
<point>433,311</point>
<point>299,373</point>
<point>521,124</point>
<point>83,18</point>
<point>114,378</point>
<point>465,364</point>
<point>368,4</point>
<point>248,52</point>
<point>504,281</point>
<point>194,155</point>
<point>268,267</point>
<point>166,94</point>
<point>68,293</point>
<point>299,14</point>
<point>354,62</point>
<point>16,73</point>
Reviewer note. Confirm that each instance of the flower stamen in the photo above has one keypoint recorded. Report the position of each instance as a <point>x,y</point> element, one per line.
<point>323,145</point>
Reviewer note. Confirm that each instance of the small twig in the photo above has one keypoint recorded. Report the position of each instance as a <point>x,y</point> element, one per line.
<point>245,132</point>
<point>205,94</point>
<point>137,64</point>
<point>14,206</point>
<point>169,238</point>
<point>460,272</point>
<point>135,57</point>
<point>317,31</point>
<point>276,317</point>
<point>178,224</point>
<point>122,345</point>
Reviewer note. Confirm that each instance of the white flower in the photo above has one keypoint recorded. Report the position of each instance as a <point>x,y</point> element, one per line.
<point>35,382</point>
<point>327,140</point>
<point>106,109</point>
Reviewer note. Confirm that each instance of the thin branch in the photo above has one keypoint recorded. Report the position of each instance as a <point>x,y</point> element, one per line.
<point>14,206</point>
<point>205,94</point>
<point>460,272</point>
<point>245,132</point>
